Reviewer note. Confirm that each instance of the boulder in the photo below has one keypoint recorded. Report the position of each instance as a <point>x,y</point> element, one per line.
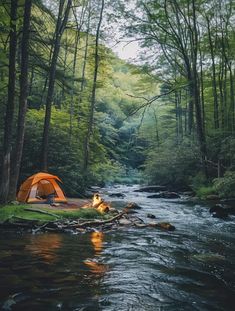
<point>229,201</point>
<point>164,195</point>
<point>151,216</point>
<point>170,195</point>
<point>141,225</point>
<point>117,195</point>
<point>162,225</point>
<point>188,193</point>
<point>124,222</point>
<point>132,205</point>
<point>155,196</point>
<point>129,211</point>
<point>218,211</point>
<point>151,189</point>
<point>212,197</point>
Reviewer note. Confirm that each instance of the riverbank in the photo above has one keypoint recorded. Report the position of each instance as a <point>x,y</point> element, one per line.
<point>72,217</point>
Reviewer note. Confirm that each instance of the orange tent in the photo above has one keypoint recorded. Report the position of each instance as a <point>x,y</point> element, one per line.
<point>38,187</point>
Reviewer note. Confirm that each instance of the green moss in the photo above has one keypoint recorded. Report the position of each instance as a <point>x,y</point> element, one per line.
<point>8,212</point>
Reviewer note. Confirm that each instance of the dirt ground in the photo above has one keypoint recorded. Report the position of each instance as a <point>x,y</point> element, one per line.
<point>71,205</point>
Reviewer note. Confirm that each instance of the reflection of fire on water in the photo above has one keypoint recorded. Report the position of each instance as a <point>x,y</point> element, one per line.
<point>45,246</point>
<point>97,243</point>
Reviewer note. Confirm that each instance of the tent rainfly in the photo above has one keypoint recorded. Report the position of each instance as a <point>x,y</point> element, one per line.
<point>38,187</point>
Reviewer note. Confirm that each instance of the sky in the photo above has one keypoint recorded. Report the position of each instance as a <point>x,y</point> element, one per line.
<point>127,51</point>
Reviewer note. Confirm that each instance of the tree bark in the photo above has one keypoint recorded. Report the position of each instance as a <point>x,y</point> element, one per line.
<point>60,26</point>
<point>79,24</point>
<point>9,115</point>
<point>93,95</point>
<point>80,95</point>
<point>214,86</point>
<point>15,167</point>
<point>196,94</point>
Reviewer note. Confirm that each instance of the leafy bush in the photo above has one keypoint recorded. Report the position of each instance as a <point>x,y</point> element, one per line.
<point>225,186</point>
<point>172,165</point>
<point>204,191</point>
<point>199,181</point>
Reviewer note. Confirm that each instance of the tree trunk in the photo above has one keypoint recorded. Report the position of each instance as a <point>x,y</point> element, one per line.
<point>60,26</point>
<point>214,86</point>
<point>202,91</point>
<point>8,128</point>
<point>15,167</point>
<point>80,95</point>
<point>79,24</point>
<point>196,93</point>
<point>93,96</point>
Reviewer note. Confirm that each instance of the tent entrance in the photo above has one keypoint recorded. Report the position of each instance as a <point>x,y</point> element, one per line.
<point>45,188</point>
<point>41,190</point>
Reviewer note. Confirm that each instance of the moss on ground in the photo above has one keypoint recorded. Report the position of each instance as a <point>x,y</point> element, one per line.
<point>8,212</point>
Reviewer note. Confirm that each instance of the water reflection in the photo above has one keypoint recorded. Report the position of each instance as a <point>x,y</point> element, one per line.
<point>45,246</point>
<point>97,239</point>
<point>96,267</point>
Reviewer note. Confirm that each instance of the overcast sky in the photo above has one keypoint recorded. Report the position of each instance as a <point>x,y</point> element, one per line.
<point>127,51</point>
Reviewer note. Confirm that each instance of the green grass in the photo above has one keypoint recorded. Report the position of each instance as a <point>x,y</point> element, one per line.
<point>8,212</point>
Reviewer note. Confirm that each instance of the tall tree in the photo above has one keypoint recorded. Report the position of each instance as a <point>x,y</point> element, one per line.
<point>93,94</point>
<point>63,14</point>
<point>15,166</point>
<point>9,115</point>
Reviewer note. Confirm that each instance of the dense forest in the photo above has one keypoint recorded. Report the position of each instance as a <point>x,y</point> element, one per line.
<point>71,107</point>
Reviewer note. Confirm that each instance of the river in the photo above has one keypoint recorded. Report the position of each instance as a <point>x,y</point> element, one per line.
<point>192,268</point>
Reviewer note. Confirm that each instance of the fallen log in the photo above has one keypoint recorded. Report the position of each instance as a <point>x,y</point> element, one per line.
<point>98,222</point>
<point>39,228</point>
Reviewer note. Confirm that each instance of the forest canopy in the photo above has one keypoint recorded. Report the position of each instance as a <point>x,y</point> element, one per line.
<point>70,106</point>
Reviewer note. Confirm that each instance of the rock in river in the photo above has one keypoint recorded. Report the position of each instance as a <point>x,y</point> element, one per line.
<point>162,225</point>
<point>151,216</point>
<point>218,211</point>
<point>151,189</point>
<point>124,222</point>
<point>164,195</point>
<point>212,197</point>
<point>132,205</point>
<point>117,195</point>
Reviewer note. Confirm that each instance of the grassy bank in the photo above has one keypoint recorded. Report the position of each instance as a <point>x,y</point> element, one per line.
<point>11,212</point>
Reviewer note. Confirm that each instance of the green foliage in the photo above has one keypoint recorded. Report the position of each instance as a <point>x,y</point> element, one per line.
<point>172,165</point>
<point>225,186</point>
<point>108,172</point>
<point>204,191</point>
<point>198,181</point>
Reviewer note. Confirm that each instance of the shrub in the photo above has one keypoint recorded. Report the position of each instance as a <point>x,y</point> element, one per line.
<point>225,186</point>
<point>204,191</point>
<point>172,165</point>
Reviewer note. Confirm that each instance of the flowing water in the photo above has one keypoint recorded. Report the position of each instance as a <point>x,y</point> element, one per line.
<point>192,268</point>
